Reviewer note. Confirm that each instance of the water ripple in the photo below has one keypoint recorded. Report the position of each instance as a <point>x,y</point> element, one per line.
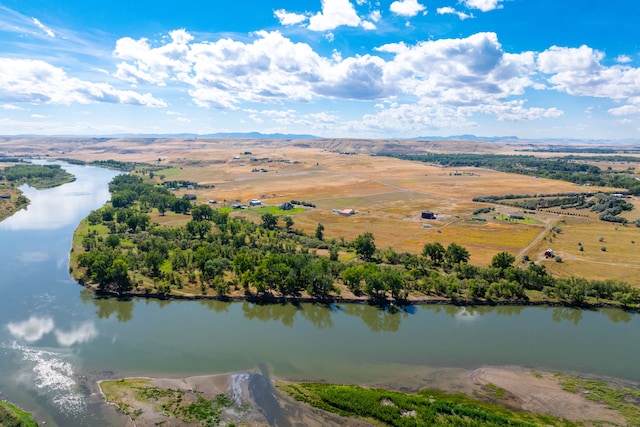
<point>53,376</point>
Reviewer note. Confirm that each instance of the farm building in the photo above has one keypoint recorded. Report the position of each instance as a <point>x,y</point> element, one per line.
<point>5,196</point>
<point>515,216</point>
<point>191,196</point>
<point>286,206</point>
<point>428,215</point>
<point>347,212</point>
<point>255,202</point>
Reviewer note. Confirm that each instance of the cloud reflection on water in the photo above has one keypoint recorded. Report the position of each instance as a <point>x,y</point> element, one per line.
<point>34,328</point>
<point>31,330</point>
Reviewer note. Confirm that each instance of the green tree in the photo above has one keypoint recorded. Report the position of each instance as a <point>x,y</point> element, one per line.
<point>320,231</point>
<point>394,282</point>
<point>288,222</point>
<point>113,240</point>
<point>153,260</point>
<point>435,251</point>
<point>365,245</point>
<point>374,284</point>
<point>455,254</point>
<point>502,260</point>
<point>269,221</point>
<point>119,272</point>
<point>202,212</point>
<point>320,280</point>
<point>352,277</point>
<point>199,228</point>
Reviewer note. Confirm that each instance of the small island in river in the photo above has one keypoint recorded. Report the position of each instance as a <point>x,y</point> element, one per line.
<point>17,172</point>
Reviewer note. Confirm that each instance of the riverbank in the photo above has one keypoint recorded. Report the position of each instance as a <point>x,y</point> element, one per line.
<point>255,401</point>
<point>349,298</point>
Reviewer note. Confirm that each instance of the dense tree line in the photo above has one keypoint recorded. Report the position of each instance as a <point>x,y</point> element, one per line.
<point>124,252</point>
<point>608,206</point>
<point>127,190</point>
<point>39,176</point>
<point>570,169</point>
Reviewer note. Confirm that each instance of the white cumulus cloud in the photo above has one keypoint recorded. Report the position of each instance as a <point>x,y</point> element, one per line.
<point>580,72</point>
<point>334,14</point>
<point>36,81</point>
<point>451,11</point>
<point>483,5</point>
<point>623,59</point>
<point>289,18</point>
<point>407,8</point>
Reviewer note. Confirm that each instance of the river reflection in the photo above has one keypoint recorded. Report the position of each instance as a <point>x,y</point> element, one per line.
<point>106,307</point>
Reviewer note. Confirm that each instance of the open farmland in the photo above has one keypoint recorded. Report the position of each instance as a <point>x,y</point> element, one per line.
<point>388,195</point>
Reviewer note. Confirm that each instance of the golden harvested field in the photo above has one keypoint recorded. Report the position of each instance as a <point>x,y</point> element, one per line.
<point>620,258</point>
<point>388,194</point>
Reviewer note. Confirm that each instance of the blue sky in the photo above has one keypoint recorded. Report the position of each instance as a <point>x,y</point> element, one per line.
<point>333,68</point>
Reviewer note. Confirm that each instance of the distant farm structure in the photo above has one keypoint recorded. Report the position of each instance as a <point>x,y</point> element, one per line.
<point>428,215</point>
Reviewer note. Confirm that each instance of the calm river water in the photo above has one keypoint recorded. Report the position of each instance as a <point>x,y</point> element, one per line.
<point>53,332</point>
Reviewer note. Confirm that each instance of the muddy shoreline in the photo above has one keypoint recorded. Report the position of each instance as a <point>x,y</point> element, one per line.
<point>521,389</point>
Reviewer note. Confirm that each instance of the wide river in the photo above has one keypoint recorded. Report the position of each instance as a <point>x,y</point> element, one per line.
<point>54,334</point>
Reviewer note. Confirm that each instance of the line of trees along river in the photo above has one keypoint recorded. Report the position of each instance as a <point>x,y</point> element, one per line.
<point>216,255</point>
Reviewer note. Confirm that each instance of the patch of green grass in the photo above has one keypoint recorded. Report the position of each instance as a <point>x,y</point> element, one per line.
<point>12,416</point>
<point>186,406</point>
<point>625,400</point>
<point>497,391</point>
<point>427,408</point>
<point>526,220</point>
<point>275,210</point>
<point>168,173</point>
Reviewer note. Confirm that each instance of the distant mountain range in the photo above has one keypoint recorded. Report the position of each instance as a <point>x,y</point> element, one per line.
<point>290,136</point>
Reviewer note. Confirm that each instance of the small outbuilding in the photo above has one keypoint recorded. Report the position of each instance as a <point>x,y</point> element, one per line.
<point>286,206</point>
<point>428,215</point>
<point>255,202</point>
<point>5,196</point>
<point>191,196</point>
<point>549,254</point>
<point>347,212</point>
<point>516,217</point>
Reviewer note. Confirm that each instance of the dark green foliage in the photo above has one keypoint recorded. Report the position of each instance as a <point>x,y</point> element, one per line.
<point>455,254</point>
<point>365,245</point>
<point>502,260</point>
<point>435,251</point>
<point>269,221</point>
<point>37,176</point>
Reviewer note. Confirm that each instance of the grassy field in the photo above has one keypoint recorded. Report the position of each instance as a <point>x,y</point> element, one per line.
<point>387,194</point>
